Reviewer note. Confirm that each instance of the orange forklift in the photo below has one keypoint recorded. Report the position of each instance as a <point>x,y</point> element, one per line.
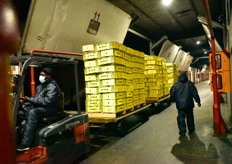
<point>61,138</point>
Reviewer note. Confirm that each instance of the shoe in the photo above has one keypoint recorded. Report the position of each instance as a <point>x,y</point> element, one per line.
<point>191,132</point>
<point>182,133</point>
<point>23,148</point>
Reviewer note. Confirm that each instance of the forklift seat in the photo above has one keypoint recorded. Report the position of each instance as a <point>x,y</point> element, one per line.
<point>60,114</point>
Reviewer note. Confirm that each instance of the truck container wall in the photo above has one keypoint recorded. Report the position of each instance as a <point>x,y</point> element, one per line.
<point>66,25</point>
<point>181,56</point>
<point>187,62</point>
<point>169,51</point>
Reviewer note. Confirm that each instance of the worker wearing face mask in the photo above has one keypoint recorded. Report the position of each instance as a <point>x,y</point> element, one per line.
<point>43,104</point>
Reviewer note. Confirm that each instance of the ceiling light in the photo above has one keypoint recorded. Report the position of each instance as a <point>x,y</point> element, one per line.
<point>198,42</point>
<point>205,52</point>
<point>166,2</point>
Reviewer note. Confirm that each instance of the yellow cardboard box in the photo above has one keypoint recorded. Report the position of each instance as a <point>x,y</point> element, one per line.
<point>142,91</point>
<point>129,100</point>
<point>90,63</point>
<point>92,70</point>
<point>136,91</point>
<point>130,105</point>
<point>127,57</point>
<point>106,46</point>
<point>129,82</point>
<point>129,94</point>
<point>134,59</point>
<point>112,68</point>
<point>136,102</point>
<point>113,109</point>
<point>92,84</point>
<point>150,62</point>
<point>89,47</point>
<point>128,70</point>
<point>111,75</point>
<point>140,60</point>
<point>93,109</point>
<point>91,78</point>
<point>111,60</point>
<point>93,103</point>
<point>115,102</point>
<point>96,97</point>
<point>112,89</point>
<point>114,95</point>
<point>141,71</point>
<point>91,55</point>
<point>91,90</point>
<point>150,57</point>
<point>136,81</point>
<point>115,82</point>
<point>129,88</point>
<point>142,96</point>
<point>135,97</point>
<point>139,86</point>
<point>112,52</point>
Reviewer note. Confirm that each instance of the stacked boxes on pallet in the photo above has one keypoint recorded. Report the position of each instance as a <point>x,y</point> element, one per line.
<point>93,98</point>
<point>155,78</point>
<point>165,79</point>
<point>114,77</point>
<point>172,74</point>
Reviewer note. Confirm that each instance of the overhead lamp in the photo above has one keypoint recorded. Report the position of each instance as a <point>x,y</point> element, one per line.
<point>198,42</point>
<point>166,2</point>
<point>205,52</point>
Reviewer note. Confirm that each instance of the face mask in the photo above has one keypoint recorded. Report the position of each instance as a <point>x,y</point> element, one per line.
<point>42,79</point>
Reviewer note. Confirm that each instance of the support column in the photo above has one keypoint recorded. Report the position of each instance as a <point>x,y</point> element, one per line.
<point>229,95</point>
<point>9,43</point>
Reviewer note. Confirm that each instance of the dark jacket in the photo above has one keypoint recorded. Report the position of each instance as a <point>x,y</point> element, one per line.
<point>47,95</point>
<point>183,92</point>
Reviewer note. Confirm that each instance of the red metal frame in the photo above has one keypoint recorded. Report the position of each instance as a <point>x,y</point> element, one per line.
<point>36,155</point>
<point>49,52</point>
<point>219,123</point>
<point>9,43</point>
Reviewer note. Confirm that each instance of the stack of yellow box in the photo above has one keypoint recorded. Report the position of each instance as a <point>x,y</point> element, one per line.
<point>172,74</point>
<point>154,82</point>
<point>165,78</point>
<point>138,77</point>
<point>110,77</point>
<point>92,71</point>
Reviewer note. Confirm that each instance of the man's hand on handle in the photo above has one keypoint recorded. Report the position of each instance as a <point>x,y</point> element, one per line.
<point>25,98</point>
<point>199,104</point>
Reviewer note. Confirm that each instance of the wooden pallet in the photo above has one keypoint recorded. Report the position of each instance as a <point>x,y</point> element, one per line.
<point>134,108</point>
<point>113,117</point>
<point>151,100</point>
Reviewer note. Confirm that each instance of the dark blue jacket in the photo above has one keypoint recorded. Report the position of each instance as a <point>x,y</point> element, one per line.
<point>47,95</point>
<point>183,92</point>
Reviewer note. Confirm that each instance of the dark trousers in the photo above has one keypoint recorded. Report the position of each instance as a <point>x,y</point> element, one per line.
<point>181,120</point>
<point>33,115</point>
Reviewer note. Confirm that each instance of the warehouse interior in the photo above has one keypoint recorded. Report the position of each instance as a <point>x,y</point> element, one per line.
<point>116,62</point>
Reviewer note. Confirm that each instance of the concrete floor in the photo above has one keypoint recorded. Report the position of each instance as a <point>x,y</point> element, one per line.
<point>157,141</point>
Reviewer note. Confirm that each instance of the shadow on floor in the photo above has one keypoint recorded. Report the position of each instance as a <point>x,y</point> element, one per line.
<point>227,139</point>
<point>97,142</point>
<point>193,151</point>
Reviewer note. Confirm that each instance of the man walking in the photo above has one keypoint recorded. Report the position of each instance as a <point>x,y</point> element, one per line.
<point>183,92</point>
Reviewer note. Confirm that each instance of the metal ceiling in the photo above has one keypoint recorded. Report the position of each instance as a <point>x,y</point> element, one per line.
<point>177,21</point>
<point>154,20</point>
